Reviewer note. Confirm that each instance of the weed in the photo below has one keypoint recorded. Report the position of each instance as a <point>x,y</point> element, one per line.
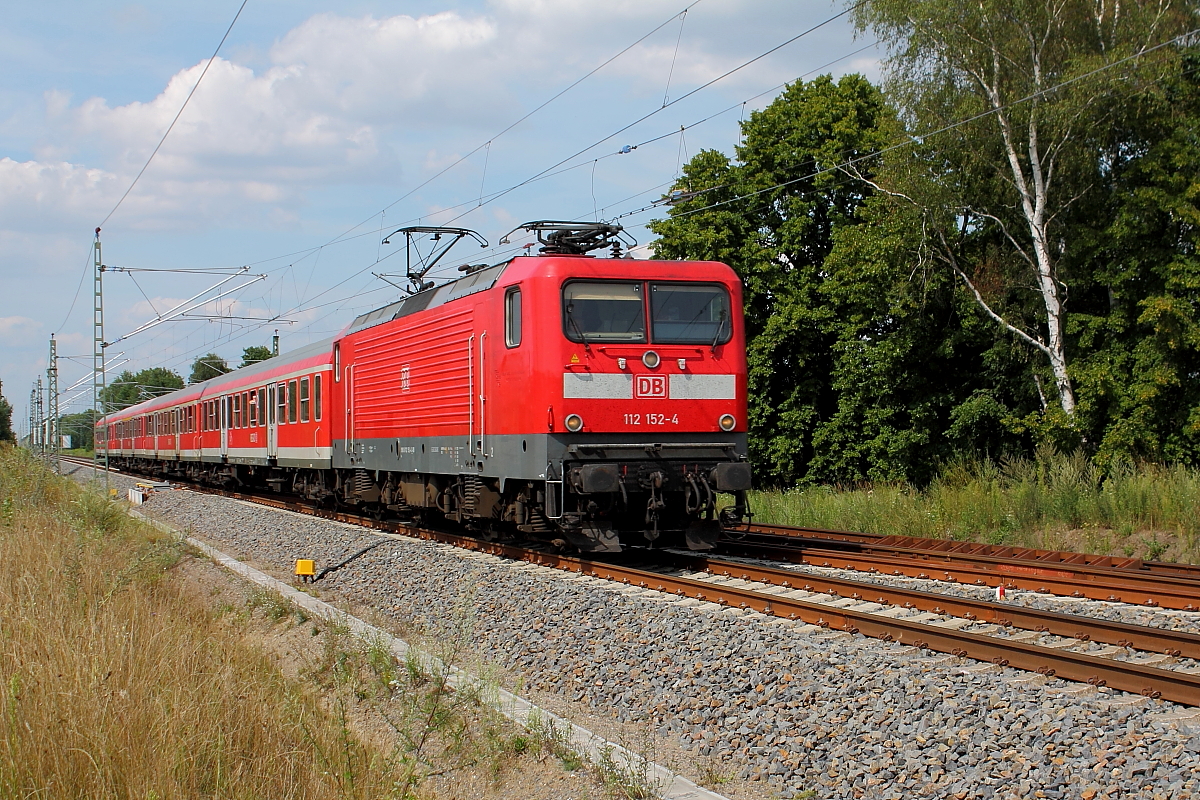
<point>554,738</point>
<point>273,605</point>
<point>711,772</point>
<point>1155,549</point>
<point>627,775</point>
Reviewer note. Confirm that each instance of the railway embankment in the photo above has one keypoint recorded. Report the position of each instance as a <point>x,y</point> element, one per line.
<point>753,705</point>
<point>133,669</point>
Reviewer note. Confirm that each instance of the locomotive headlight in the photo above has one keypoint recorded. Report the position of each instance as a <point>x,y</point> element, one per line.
<point>574,423</point>
<point>727,422</point>
<point>650,359</point>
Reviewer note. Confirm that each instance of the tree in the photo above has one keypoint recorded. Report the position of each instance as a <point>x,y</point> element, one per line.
<point>208,366</point>
<point>1136,294</point>
<point>1001,189</point>
<point>132,388</point>
<point>773,216</point>
<point>80,427</point>
<point>254,354</point>
<point>6,429</point>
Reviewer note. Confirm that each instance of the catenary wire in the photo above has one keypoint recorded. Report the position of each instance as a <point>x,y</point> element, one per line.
<point>847,163</point>
<point>170,127</point>
<point>915,137</point>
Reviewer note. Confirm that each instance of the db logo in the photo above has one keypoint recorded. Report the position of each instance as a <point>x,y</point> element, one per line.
<point>650,386</point>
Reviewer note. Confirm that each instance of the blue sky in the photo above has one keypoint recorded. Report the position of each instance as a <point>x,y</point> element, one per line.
<point>318,118</point>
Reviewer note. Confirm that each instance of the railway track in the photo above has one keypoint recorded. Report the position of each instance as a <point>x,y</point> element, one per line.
<point>1131,581</point>
<point>923,620</point>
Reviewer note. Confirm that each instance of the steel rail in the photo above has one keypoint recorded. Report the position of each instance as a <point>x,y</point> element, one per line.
<point>1149,681</point>
<point>1138,637</point>
<point>1096,583</point>
<point>968,548</point>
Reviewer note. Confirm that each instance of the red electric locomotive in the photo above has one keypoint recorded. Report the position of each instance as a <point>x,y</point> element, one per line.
<point>577,399</point>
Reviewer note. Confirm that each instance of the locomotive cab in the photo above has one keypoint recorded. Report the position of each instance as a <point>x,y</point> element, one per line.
<point>652,421</point>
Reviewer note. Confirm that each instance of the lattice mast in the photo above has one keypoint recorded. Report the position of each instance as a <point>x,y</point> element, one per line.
<point>40,417</point>
<point>52,427</point>
<point>98,346</point>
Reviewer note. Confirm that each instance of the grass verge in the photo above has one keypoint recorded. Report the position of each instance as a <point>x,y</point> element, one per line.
<point>1054,501</point>
<point>116,684</point>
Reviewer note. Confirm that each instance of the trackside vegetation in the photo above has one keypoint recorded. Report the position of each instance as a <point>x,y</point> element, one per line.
<point>116,684</point>
<point>1052,501</point>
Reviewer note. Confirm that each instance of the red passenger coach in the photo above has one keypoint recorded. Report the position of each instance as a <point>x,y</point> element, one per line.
<point>577,399</point>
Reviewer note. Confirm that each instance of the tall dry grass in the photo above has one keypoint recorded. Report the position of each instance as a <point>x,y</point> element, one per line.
<point>1054,500</point>
<point>115,685</point>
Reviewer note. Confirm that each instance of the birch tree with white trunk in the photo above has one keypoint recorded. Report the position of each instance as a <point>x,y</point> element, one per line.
<point>1035,81</point>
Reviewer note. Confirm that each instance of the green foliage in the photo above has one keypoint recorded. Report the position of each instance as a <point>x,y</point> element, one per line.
<point>254,354</point>
<point>777,238</point>
<point>873,282</point>
<point>6,428</point>
<point>207,366</point>
<point>1116,195</point>
<point>131,388</point>
<point>80,427</point>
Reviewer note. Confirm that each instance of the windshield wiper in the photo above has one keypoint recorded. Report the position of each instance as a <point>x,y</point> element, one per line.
<point>575,325</point>
<point>720,327</point>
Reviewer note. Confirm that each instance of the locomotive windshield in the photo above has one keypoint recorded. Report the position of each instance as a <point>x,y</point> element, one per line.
<point>680,313</point>
<point>604,312</point>
<point>689,313</point>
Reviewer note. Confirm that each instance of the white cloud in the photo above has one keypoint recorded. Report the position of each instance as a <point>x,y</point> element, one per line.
<point>17,331</point>
<point>352,100</point>
<point>50,191</point>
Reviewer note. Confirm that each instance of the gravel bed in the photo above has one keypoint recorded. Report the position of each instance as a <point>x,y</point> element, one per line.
<point>779,708</point>
<point>1187,621</point>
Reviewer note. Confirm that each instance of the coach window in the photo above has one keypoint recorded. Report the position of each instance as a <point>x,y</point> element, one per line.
<point>512,317</point>
<point>304,400</point>
<point>253,409</point>
<point>317,397</point>
<point>292,397</point>
<point>237,411</point>
<point>281,403</point>
<point>262,406</point>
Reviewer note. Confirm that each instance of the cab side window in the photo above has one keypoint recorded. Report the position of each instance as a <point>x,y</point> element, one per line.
<point>512,317</point>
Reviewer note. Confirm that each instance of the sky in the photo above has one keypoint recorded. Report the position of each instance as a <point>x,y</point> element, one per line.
<point>319,129</point>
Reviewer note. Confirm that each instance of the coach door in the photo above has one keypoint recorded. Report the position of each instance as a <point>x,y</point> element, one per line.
<point>225,403</point>
<point>272,425</point>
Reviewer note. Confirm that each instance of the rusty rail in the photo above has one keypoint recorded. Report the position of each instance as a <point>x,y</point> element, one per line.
<point>1112,584</point>
<point>966,548</point>
<point>1137,637</point>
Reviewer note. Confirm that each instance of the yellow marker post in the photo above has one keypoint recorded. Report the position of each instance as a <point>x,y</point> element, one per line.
<point>306,569</point>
